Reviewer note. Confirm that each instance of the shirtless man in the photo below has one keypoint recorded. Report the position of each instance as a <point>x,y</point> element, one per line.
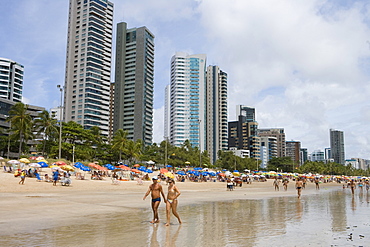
<point>298,186</point>
<point>173,194</point>
<point>276,184</point>
<point>352,184</point>
<point>156,191</point>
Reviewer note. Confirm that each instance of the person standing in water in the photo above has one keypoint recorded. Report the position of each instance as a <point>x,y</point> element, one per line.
<point>155,189</point>
<point>298,186</point>
<point>173,194</point>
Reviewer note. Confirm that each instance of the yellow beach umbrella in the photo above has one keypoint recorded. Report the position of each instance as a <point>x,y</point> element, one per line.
<point>24,160</point>
<point>42,161</point>
<point>67,168</point>
<point>169,175</point>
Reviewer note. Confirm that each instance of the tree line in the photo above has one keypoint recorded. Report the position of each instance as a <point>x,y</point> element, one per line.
<point>88,145</point>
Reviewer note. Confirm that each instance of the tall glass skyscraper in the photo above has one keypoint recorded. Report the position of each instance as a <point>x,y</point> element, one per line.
<point>134,83</point>
<point>88,66</point>
<point>187,99</point>
<point>11,80</point>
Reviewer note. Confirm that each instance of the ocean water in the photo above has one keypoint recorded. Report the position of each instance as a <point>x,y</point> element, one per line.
<point>329,218</point>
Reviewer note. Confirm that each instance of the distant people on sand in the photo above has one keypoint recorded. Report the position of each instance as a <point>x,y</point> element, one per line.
<point>55,177</point>
<point>155,189</point>
<point>171,204</point>
<point>298,186</point>
<point>352,185</point>
<point>317,183</point>
<point>23,177</point>
<point>276,184</point>
<point>285,184</point>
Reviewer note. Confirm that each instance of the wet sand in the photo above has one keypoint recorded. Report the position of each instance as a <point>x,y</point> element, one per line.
<point>98,209</point>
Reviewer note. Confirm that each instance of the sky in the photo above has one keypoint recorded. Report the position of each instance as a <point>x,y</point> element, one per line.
<point>303,65</point>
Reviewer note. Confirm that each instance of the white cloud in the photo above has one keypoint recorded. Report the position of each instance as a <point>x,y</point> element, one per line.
<point>298,62</point>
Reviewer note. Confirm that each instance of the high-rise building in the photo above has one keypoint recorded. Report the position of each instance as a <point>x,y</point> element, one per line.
<point>293,150</point>
<point>11,80</point>
<point>304,155</point>
<point>280,137</point>
<point>216,111</point>
<point>88,63</point>
<point>187,100</point>
<point>134,83</point>
<point>268,149</point>
<point>337,146</point>
<point>243,132</point>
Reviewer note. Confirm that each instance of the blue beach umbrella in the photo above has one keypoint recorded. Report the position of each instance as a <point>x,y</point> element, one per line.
<point>168,166</point>
<point>43,164</point>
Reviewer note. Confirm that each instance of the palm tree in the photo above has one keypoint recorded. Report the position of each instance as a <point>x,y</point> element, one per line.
<point>119,141</point>
<point>46,126</point>
<point>133,150</point>
<point>21,122</point>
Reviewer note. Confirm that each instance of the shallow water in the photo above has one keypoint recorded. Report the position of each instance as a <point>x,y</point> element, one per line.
<point>329,218</point>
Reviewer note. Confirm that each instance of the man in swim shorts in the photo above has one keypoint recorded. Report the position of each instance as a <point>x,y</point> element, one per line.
<point>298,186</point>
<point>155,189</point>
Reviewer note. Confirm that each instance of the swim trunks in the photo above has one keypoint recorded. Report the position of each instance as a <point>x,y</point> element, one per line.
<point>298,188</point>
<point>156,199</point>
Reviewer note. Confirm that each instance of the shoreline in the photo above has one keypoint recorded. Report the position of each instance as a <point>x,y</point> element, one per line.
<point>40,205</point>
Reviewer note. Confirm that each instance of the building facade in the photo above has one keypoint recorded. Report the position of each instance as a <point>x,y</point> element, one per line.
<point>268,148</point>
<point>216,111</point>
<point>337,146</point>
<point>88,63</point>
<point>317,155</point>
<point>293,150</point>
<point>243,133</point>
<point>11,80</point>
<point>134,83</point>
<point>187,100</point>
<point>280,138</point>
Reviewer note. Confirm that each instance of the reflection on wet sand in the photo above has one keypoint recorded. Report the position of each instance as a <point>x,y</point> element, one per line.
<point>321,219</point>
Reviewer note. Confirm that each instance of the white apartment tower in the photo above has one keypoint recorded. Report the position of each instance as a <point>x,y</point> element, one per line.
<point>88,63</point>
<point>216,111</point>
<point>11,80</point>
<point>187,100</point>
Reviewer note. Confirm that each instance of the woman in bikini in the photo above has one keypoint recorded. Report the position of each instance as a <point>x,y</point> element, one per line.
<point>173,194</point>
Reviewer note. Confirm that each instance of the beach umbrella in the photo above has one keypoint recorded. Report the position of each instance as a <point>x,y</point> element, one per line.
<point>35,165</point>
<point>60,163</point>
<point>163,170</point>
<point>32,158</point>
<point>40,158</point>
<point>150,162</point>
<point>43,164</point>
<point>42,161</point>
<point>169,175</point>
<point>67,168</point>
<point>123,167</point>
<point>136,165</point>
<point>136,171</point>
<point>168,166</point>
<point>13,162</point>
<point>187,162</point>
<point>149,171</point>
<point>25,160</point>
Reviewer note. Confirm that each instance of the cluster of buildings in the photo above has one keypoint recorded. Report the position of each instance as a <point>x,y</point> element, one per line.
<point>195,100</point>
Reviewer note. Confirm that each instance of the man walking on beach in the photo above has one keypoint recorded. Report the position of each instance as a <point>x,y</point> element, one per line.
<point>156,191</point>
<point>298,186</point>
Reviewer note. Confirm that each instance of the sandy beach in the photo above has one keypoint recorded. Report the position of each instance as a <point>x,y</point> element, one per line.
<point>35,203</point>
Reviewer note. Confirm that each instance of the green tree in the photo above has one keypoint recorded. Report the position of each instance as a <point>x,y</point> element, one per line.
<point>133,150</point>
<point>285,164</point>
<point>21,124</point>
<point>45,126</point>
<point>119,142</point>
